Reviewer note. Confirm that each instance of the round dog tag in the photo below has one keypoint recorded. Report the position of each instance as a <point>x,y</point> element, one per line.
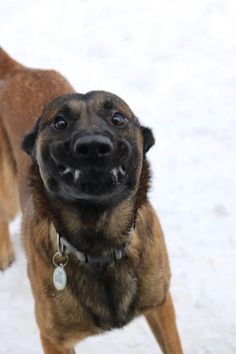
<point>59,278</point>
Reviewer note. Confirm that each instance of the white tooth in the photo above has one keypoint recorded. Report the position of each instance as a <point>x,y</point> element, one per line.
<point>67,170</point>
<point>76,175</point>
<point>114,172</point>
<point>121,171</point>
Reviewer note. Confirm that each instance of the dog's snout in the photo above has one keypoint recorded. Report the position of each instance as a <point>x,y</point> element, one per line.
<point>93,146</point>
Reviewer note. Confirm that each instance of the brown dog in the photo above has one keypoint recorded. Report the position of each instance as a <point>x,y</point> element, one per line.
<point>96,252</point>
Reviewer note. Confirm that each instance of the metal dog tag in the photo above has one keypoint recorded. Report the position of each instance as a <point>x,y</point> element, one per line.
<point>59,277</point>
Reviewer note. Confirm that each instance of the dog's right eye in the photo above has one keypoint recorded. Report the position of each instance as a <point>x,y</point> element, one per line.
<point>59,123</point>
<point>118,119</point>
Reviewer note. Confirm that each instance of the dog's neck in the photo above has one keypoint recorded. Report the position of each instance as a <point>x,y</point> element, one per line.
<point>96,232</point>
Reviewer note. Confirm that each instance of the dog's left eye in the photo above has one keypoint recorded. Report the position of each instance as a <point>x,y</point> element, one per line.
<point>118,119</point>
<point>60,123</point>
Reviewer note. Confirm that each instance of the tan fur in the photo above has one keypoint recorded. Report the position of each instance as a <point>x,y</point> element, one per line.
<point>6,248</point>
<point>162,322</point>
<point>9,203</point>
<point>61,316</point>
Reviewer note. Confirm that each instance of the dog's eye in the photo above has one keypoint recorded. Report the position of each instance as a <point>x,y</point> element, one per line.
<point>118,119</point>
<point>59,123</point>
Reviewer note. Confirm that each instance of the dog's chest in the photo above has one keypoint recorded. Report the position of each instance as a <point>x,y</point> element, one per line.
<point>107,296</point>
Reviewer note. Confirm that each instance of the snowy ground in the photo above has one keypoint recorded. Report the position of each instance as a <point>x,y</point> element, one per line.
<point>174,63</point>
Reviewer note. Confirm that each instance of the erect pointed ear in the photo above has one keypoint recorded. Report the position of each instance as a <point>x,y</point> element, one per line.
<point>148,138</point>
<point>28,143</point>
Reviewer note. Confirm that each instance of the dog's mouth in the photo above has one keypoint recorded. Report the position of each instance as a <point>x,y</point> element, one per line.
<point>92,168</point>
<point>91,182</point>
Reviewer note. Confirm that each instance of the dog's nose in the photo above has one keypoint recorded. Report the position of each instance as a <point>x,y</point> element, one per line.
<point>93,146</point>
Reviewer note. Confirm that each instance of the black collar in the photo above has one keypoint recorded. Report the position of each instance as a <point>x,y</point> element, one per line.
<point>63,246</point>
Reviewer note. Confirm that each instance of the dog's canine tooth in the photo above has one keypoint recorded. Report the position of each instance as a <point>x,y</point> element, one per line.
<point>76,175</point>
<point>67,170</point>
<point>121,170</point>
<point>114,171</point>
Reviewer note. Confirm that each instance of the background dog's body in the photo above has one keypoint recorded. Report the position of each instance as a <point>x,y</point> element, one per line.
<point>23,93</point>
<point>97,301</point>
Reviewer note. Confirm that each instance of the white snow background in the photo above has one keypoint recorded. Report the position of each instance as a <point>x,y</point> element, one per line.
<point>174,62</point>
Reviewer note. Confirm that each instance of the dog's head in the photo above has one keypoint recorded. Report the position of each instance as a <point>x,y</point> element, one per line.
<point>89,148</point>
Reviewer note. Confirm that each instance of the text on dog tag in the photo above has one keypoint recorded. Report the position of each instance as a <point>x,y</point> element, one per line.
<point>59,278</point>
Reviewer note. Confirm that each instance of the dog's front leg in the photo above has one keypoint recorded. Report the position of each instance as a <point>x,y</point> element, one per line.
<point>6,248</point>
<point>53,348</point>
<point>162,321</point>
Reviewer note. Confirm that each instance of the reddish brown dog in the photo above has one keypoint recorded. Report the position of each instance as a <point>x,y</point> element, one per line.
<point>96,253</point>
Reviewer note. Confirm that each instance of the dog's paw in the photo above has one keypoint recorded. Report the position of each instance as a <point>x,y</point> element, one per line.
<point>7,255</point>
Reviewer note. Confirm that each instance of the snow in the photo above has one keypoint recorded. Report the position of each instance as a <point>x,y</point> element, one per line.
<point>174,63</point>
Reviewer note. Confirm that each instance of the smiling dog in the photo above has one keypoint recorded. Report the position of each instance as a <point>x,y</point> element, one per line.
<point>96,253</point>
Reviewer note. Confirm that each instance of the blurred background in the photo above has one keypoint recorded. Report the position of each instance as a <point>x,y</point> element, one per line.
<point>174,62</point>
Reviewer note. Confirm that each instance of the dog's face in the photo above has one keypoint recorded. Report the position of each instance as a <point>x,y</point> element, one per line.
<point>89,147</point>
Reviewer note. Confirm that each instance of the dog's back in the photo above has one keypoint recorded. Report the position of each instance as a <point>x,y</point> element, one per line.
<point>23,93</point>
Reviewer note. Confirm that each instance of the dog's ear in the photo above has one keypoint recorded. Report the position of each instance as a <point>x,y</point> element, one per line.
<point>148,138</point>
<point>28,143</point>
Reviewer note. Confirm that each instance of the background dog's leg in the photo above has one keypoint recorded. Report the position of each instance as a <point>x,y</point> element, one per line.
<point>6,248</point>
<point>50,348</point>
<point>9,201</point>
<point>163,325</point>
